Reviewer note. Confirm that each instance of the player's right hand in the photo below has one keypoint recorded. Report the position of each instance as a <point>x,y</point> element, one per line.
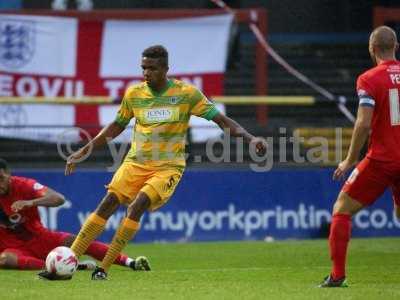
<point>260,145</point>
<point>342,169</point>
<point>72,160</point>
<point>20,205</point>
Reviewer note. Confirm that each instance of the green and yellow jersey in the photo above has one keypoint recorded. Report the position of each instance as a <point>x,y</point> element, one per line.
<point>162,120</point>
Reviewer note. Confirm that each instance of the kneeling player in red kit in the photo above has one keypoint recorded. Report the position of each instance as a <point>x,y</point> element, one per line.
<point>24,241</point>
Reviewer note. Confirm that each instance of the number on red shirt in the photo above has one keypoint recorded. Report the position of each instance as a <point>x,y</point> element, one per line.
<point>394,107</point>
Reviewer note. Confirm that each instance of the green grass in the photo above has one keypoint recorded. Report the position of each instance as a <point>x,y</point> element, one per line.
<point>239,270</point>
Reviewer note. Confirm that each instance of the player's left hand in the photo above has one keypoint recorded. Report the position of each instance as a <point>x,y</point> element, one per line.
<point>20,205</point>
<point>260,145</point>
<point>342,169</point>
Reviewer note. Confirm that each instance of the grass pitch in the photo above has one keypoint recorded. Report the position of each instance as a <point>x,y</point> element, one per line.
<point>237,270</point>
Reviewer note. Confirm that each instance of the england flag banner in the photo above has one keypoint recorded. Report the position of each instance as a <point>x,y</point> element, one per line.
<point>66,57</point>
<point>38,56</point>
<point>48,56</point>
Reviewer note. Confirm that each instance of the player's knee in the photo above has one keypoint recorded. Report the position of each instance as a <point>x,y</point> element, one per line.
<point>5,260</point>
<point>339,208</point>
<point>346,205</point>
<point>108,206</point>
<point>139,206</point>
<point>397,210</point>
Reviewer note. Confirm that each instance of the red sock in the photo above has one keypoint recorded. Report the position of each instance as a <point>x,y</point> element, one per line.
<point>98,250</point>
<point>30,263</point>
<point>338,240</point>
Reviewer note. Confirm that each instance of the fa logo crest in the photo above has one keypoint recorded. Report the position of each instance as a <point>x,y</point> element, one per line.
<point>173,100</point>
<point>13,115</point>
<point>17,43</point>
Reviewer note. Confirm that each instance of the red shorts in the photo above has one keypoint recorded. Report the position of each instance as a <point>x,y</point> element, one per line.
<point>40,246</point>
<point>370,179</point>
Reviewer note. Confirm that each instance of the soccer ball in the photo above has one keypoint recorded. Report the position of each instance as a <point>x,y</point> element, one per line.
<point>61,261</point>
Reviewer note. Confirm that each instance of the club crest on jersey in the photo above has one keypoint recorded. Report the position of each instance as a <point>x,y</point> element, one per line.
<point>362,93</point>
<point>17,42</point>
<point>173,100</point>
<point>37,186</point>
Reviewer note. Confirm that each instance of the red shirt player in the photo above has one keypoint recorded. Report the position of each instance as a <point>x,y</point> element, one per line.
<point>379,115</point>
<point>24,241</point>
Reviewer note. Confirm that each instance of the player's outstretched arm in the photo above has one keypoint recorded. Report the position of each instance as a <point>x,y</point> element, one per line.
<point>226,123</point>
<point>108,133</point>
<point>50,199</point>
<point>358,140</point>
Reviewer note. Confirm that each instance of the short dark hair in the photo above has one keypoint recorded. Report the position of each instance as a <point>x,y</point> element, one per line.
<point>157,51</point>
<point>3,165</point>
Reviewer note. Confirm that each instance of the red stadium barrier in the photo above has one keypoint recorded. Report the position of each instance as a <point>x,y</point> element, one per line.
<point>383,15</point>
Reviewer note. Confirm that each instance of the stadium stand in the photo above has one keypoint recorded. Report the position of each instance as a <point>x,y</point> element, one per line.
<point>315,57</point>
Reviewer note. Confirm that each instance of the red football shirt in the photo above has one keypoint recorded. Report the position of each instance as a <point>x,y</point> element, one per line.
<point>379,88</point>
<point>17,228</point>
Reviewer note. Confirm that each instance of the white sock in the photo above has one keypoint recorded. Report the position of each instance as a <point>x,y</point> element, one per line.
<point>128,261</point>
